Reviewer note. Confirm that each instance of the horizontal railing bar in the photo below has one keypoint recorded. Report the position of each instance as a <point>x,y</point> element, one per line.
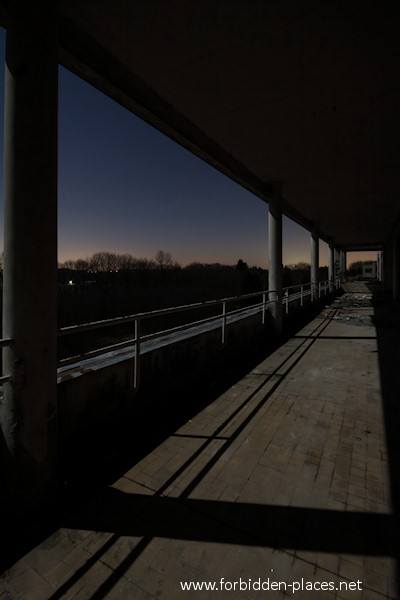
<point>286,297</point>
<point>5,379</point>
<point>63,362</point>
<point>164,311</point>
<point>5,342</point>
<point>131,342</point>
<point>296,296</point>
<point>156,334</point>
<point>151,336</point>
<point>155,313</point>
<point>309,284</point>
<point>298,285</point>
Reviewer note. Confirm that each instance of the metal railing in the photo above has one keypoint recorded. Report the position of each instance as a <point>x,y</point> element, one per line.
<point>222,320</point>
<point>308,290</point>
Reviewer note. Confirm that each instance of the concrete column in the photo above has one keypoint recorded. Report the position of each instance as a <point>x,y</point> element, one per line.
<point>337,263</point>
<point>379,260</point>
<point>331,268</point>
<point>275,255</point>
<point>343,265</point>
<point>388,266</point>
<point>28,412</point>
<point>314,264</point>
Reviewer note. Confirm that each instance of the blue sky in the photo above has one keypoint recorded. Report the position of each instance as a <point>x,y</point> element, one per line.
<point>125,187</point>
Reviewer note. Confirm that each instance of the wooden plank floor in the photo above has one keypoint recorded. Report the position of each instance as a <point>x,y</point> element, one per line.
<point>286,481</point>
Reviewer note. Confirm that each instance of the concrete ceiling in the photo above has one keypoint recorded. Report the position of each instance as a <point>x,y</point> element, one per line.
<point>305,92</point>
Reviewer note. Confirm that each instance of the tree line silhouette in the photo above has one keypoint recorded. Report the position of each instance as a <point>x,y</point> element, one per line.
<point>109,262</point>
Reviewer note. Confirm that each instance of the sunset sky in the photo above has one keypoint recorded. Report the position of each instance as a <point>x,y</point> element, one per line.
<point>126,188</point>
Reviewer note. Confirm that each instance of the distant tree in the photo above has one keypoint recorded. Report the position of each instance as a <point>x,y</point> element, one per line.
<point>195,266</point>
<point>125,262</point>
<point>355,268</point>
<point>164,260</point>
<point>104,261</point>
<point>300,266</point>
<point>68,264</point>
<point>145,264</point>
<point>82,264</point>
<point>241,265</point>
<point>209,266</point>
<point>109,262</point>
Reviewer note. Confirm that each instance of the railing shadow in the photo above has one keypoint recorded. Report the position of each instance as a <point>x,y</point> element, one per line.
<point>124,443</point>
<point>127,441</point>
<point>282,527</point>
<point>265,525</point>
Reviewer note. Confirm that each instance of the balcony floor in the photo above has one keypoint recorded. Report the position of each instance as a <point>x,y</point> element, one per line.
<point>289,476</point>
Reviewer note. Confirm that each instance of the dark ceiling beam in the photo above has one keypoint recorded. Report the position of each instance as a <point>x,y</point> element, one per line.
<point>107,74</point>
<point>90,61</point>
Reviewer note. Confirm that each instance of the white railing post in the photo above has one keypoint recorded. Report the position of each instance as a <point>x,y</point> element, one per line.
<point>220,319</point>
<point>223,321</point>
<point>136,374</point>
<point>275,255</point>
<point>263,309</point>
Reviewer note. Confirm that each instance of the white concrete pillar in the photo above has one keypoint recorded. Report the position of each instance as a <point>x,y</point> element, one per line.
<point>337,263</point>
<point>314,264</point>
<point>388,266</point>
<point>331,267</point>
<point>28,412</point>
<point>379,260</point>
<point>275,255</point>
<point>343,264</point>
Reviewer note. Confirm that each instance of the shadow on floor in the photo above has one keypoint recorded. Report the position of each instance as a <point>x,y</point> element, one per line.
<point>281,527</point>
<point>229,523</point>
<point>104,459</point>
<point>149,516</point>
<point>387,322</point>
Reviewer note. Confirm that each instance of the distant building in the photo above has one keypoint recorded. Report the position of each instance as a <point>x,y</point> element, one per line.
<point>369,270</point>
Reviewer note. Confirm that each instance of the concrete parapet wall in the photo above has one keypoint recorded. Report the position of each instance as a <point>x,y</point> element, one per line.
<point>94,403</point>
<point>94,407</point>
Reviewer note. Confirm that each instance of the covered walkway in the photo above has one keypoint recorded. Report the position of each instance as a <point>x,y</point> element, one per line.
<point>298,106</point>
<point>288,479</point>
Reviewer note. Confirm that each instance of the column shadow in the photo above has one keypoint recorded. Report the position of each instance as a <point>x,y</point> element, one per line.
<point>387,322</point>
<point>248,524</point>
